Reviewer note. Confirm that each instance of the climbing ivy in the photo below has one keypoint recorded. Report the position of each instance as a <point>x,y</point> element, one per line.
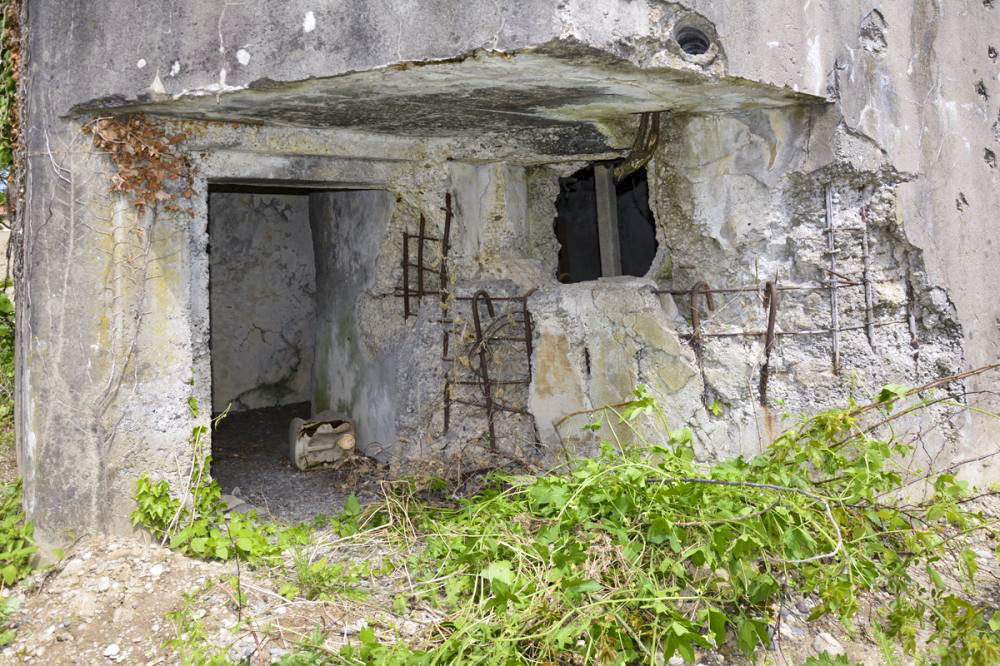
<point>149,168</point>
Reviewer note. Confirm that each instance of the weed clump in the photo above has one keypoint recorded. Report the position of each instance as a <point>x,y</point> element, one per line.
<point>16,536</point>
<point>643,553</point>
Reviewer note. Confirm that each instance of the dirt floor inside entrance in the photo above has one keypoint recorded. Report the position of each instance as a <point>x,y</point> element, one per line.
<point>250,462</point>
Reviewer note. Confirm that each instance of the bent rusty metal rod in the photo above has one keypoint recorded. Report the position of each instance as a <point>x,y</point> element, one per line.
<point>484,372</point>
<point>643,146</point>
<point>528,332</point>
<point>771,305</point>
<point>866,278</point>
<point>406,275</point>
<point>445,294</point>
<point>703,289</point>
<point>834,307</point>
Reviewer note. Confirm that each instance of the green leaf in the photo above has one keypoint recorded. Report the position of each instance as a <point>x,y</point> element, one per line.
<point>659,530</point>
<point>367,637</point>
<point>890,393</point>
<point>935,577</point>
<point>717,623</point>
<point>352,506</point>
<point>577,587</point>
<point>498,571</point>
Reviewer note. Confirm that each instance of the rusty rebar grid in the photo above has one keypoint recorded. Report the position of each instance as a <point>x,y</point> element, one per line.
<point>421,238</point>
<point>481,347</point>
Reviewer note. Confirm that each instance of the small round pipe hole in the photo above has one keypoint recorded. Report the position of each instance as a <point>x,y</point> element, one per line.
<point>692,41</point>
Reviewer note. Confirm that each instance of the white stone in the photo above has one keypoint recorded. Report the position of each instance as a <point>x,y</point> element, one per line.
<point>156,570</point>
<point>73,566</point>
<point>243,57</point>
<point>824,642</point>
<point>111,650</point>
<point>309,22</point>
<point>103,584</point>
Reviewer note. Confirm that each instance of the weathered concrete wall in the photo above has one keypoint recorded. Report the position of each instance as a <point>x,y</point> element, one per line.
<point>263,311</point>
<point>596,342</point>
<point>114,304</point>
<point>915,87</point>
<point>349,377</point>
<point>740,202</point>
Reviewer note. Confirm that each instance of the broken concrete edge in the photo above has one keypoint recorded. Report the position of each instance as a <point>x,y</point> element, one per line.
<point>565,50</point>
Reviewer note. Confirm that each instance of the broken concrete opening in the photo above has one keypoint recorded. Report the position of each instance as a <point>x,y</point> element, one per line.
<point>576,226</point>
<point>284,267</point>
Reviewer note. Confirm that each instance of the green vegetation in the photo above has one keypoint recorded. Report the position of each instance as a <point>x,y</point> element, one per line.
<point>7,633</point>
<point>16,545</point>
<point>9,64</point>
<point>6,372</point>
<point>643,553</point>
<point>197,525</point>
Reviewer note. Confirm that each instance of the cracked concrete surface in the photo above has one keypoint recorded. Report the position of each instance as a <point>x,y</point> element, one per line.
<point>263,288</point>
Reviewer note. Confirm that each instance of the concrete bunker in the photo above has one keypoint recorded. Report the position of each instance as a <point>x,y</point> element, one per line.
<point>286,269</point>
<point>451,141</point>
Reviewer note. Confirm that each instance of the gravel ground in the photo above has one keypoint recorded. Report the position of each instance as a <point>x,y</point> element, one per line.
<point>250,461</point>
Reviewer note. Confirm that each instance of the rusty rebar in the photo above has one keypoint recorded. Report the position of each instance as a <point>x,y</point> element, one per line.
<point>484,372</point>
<point>867,280</point>
<point>818,331</point>
<point>643,146</point>
<point>420,258</point>
<point>443,291</point>
<point>771,305</point>
<point>834,306</point>
<point>757,289</point>
<point>528,332</point>
<point>406,275</point>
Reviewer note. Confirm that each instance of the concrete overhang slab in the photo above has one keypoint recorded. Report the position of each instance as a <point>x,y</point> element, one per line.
<point>559,86</point>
